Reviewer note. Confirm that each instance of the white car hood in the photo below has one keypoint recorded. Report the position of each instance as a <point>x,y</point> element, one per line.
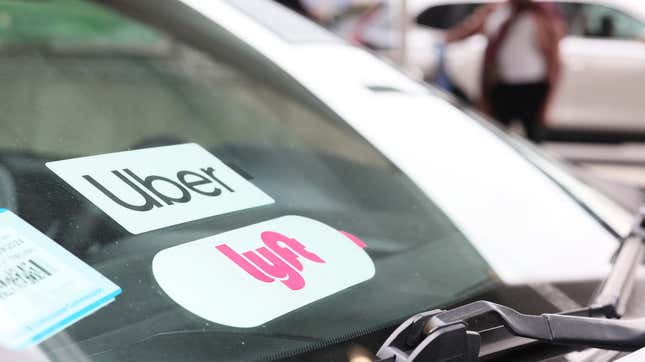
<point>527,228</point>
<point>522,223</point>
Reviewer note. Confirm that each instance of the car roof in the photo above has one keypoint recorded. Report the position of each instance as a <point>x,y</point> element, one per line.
<point>633,8</point>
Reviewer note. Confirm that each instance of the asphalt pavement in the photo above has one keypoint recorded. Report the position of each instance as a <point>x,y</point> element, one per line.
<point>620,166</point>
<point>620,163</point>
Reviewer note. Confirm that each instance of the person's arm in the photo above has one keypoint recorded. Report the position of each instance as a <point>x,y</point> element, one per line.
<point>471,25</point>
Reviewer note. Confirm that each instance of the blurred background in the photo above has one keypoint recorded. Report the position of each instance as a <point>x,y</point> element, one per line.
<point>596,117</point>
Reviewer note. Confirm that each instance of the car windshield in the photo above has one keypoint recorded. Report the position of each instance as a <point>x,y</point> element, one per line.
<point>80,79</point>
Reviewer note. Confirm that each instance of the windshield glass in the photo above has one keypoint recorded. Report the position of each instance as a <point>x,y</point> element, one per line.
<point>72,24</point>
<point>82,80</point>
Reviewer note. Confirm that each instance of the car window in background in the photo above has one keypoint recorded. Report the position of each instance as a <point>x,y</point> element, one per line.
<point>603,21</point>
<point>600,21</point>
<point>587,20</point>
<point>446,16</point>
<point>102,96</point>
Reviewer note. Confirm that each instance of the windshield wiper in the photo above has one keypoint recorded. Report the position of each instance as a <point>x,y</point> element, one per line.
<point>444,335</point>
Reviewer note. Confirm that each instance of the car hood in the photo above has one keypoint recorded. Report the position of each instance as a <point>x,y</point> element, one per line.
<point>523,222</point>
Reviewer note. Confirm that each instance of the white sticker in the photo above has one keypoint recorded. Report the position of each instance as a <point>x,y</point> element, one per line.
<point>156,187</point>
<point>249,276</point>
<point>43,288</point>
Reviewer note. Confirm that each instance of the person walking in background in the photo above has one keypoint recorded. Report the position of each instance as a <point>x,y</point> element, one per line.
<point>521,62</point>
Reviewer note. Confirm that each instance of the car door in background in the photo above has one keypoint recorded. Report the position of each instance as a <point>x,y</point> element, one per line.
<point>603,71</point>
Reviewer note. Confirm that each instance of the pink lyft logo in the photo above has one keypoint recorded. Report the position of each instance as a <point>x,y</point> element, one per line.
<point>274,261</point>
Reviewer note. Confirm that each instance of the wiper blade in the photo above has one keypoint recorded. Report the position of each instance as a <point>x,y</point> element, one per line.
<point>441,335</point>
<point>446,335</point>
<point>612,296</point>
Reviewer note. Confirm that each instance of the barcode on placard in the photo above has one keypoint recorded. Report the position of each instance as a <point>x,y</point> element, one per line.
<point>20,276</point>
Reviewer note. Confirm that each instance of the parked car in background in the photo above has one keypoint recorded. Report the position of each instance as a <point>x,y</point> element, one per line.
<point>603,57</point>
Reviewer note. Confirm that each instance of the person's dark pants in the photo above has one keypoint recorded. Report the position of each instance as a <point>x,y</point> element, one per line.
<point>524,102</point>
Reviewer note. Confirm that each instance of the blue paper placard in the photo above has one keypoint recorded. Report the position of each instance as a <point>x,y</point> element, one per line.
<point>43,287</point>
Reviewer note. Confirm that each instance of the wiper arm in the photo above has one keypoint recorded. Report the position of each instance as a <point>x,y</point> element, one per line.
<point>611,298</point>
<point>444,335</point>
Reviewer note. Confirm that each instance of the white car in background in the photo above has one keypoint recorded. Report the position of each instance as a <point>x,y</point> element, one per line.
<point>600,94</point>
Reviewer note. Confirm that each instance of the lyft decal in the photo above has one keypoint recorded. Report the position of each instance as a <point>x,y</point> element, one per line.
<point>271,262</point>
<point>151,188</point>
<point>285,263</point>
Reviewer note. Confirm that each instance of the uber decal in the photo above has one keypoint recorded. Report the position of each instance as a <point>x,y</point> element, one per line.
<point>156,187</point>
<point>249,276</point>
